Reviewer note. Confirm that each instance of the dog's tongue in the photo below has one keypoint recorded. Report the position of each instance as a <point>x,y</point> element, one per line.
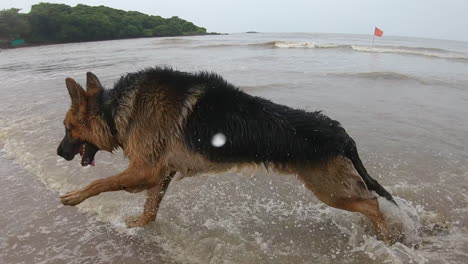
<point>88,152</point>
<point>80,150</point>
<point>85,162</point>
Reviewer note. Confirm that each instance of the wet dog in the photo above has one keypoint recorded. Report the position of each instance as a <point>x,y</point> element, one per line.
<point>167,121</point>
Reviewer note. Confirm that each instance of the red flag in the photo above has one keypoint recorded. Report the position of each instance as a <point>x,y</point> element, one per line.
<point>378,32</point>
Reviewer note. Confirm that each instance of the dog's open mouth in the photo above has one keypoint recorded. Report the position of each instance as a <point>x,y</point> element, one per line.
<point>87,152</point>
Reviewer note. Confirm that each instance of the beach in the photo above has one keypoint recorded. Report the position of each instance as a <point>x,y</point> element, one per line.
<point>404,101</point>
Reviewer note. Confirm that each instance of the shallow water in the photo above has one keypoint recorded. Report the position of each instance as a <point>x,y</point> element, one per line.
<point>404,101</point>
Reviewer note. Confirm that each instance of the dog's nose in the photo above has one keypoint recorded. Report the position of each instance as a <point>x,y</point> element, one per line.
<point>64,154</point>
<point>60,151</point>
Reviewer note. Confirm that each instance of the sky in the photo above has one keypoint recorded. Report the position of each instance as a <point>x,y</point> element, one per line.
<point>441,19</point>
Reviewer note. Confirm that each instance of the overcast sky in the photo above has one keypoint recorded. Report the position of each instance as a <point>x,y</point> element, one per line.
<point>444,19</point>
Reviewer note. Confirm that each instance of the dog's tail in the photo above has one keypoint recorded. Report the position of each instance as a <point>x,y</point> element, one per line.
<point>372,184</point>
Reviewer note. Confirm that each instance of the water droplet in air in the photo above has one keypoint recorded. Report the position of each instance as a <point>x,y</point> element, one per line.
<point>218,140</point>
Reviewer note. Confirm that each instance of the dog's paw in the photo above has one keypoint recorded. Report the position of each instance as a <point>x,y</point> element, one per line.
<point>72,198</point>
<point>140,221</point>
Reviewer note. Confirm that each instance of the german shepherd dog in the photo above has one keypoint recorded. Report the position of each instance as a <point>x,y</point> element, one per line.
<point>165,122</point>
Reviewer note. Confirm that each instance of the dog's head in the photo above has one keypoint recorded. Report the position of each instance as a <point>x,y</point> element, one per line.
<point>81,120</point>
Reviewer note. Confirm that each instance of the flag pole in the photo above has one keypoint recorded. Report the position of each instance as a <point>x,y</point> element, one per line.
<point>373,37</point>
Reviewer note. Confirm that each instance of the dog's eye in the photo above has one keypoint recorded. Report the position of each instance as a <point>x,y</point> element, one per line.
<point>67,131</point>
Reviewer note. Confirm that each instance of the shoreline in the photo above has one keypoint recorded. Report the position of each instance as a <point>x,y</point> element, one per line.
<point>30,45</point>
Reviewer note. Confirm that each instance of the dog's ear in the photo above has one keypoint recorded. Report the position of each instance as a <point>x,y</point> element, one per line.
<point>93,85</point>
<point>77,95</point>
<point>94,90</point>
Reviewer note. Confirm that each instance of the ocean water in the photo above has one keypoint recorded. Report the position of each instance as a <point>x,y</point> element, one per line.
<point>404,101</point>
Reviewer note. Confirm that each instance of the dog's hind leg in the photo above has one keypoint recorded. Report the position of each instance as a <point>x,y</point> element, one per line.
<point>369,208</point>
<point>133,178</point>
<point>155,196</point>
<point>338,184</point>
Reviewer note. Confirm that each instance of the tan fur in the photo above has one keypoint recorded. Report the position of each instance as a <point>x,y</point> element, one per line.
<point>338,184</point>
<point>150,130</point>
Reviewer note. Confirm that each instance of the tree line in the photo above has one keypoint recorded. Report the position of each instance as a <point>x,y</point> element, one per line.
<point>60,23</point>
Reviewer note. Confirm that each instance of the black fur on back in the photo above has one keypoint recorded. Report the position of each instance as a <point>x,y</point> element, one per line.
<point>258,130</point>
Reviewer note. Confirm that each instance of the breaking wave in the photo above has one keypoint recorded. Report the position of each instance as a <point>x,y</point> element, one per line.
<point>422,51</point>
<point>417,51</point>
<point>302,44</point>
<point>429,52</point>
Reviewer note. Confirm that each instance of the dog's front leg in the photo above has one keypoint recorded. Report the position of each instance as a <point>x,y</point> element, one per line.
<point>155,196</point>
<point>130,178</point>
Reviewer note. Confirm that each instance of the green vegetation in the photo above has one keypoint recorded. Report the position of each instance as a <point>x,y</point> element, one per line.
<point>60,23</point>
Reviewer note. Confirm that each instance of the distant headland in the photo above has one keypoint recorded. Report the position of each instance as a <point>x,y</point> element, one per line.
<point>48,23</point>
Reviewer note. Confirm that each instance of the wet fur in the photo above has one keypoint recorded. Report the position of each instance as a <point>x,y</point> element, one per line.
<point>165,120</point>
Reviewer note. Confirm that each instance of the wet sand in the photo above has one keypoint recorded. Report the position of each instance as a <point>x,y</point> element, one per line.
<point>37,228</point>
